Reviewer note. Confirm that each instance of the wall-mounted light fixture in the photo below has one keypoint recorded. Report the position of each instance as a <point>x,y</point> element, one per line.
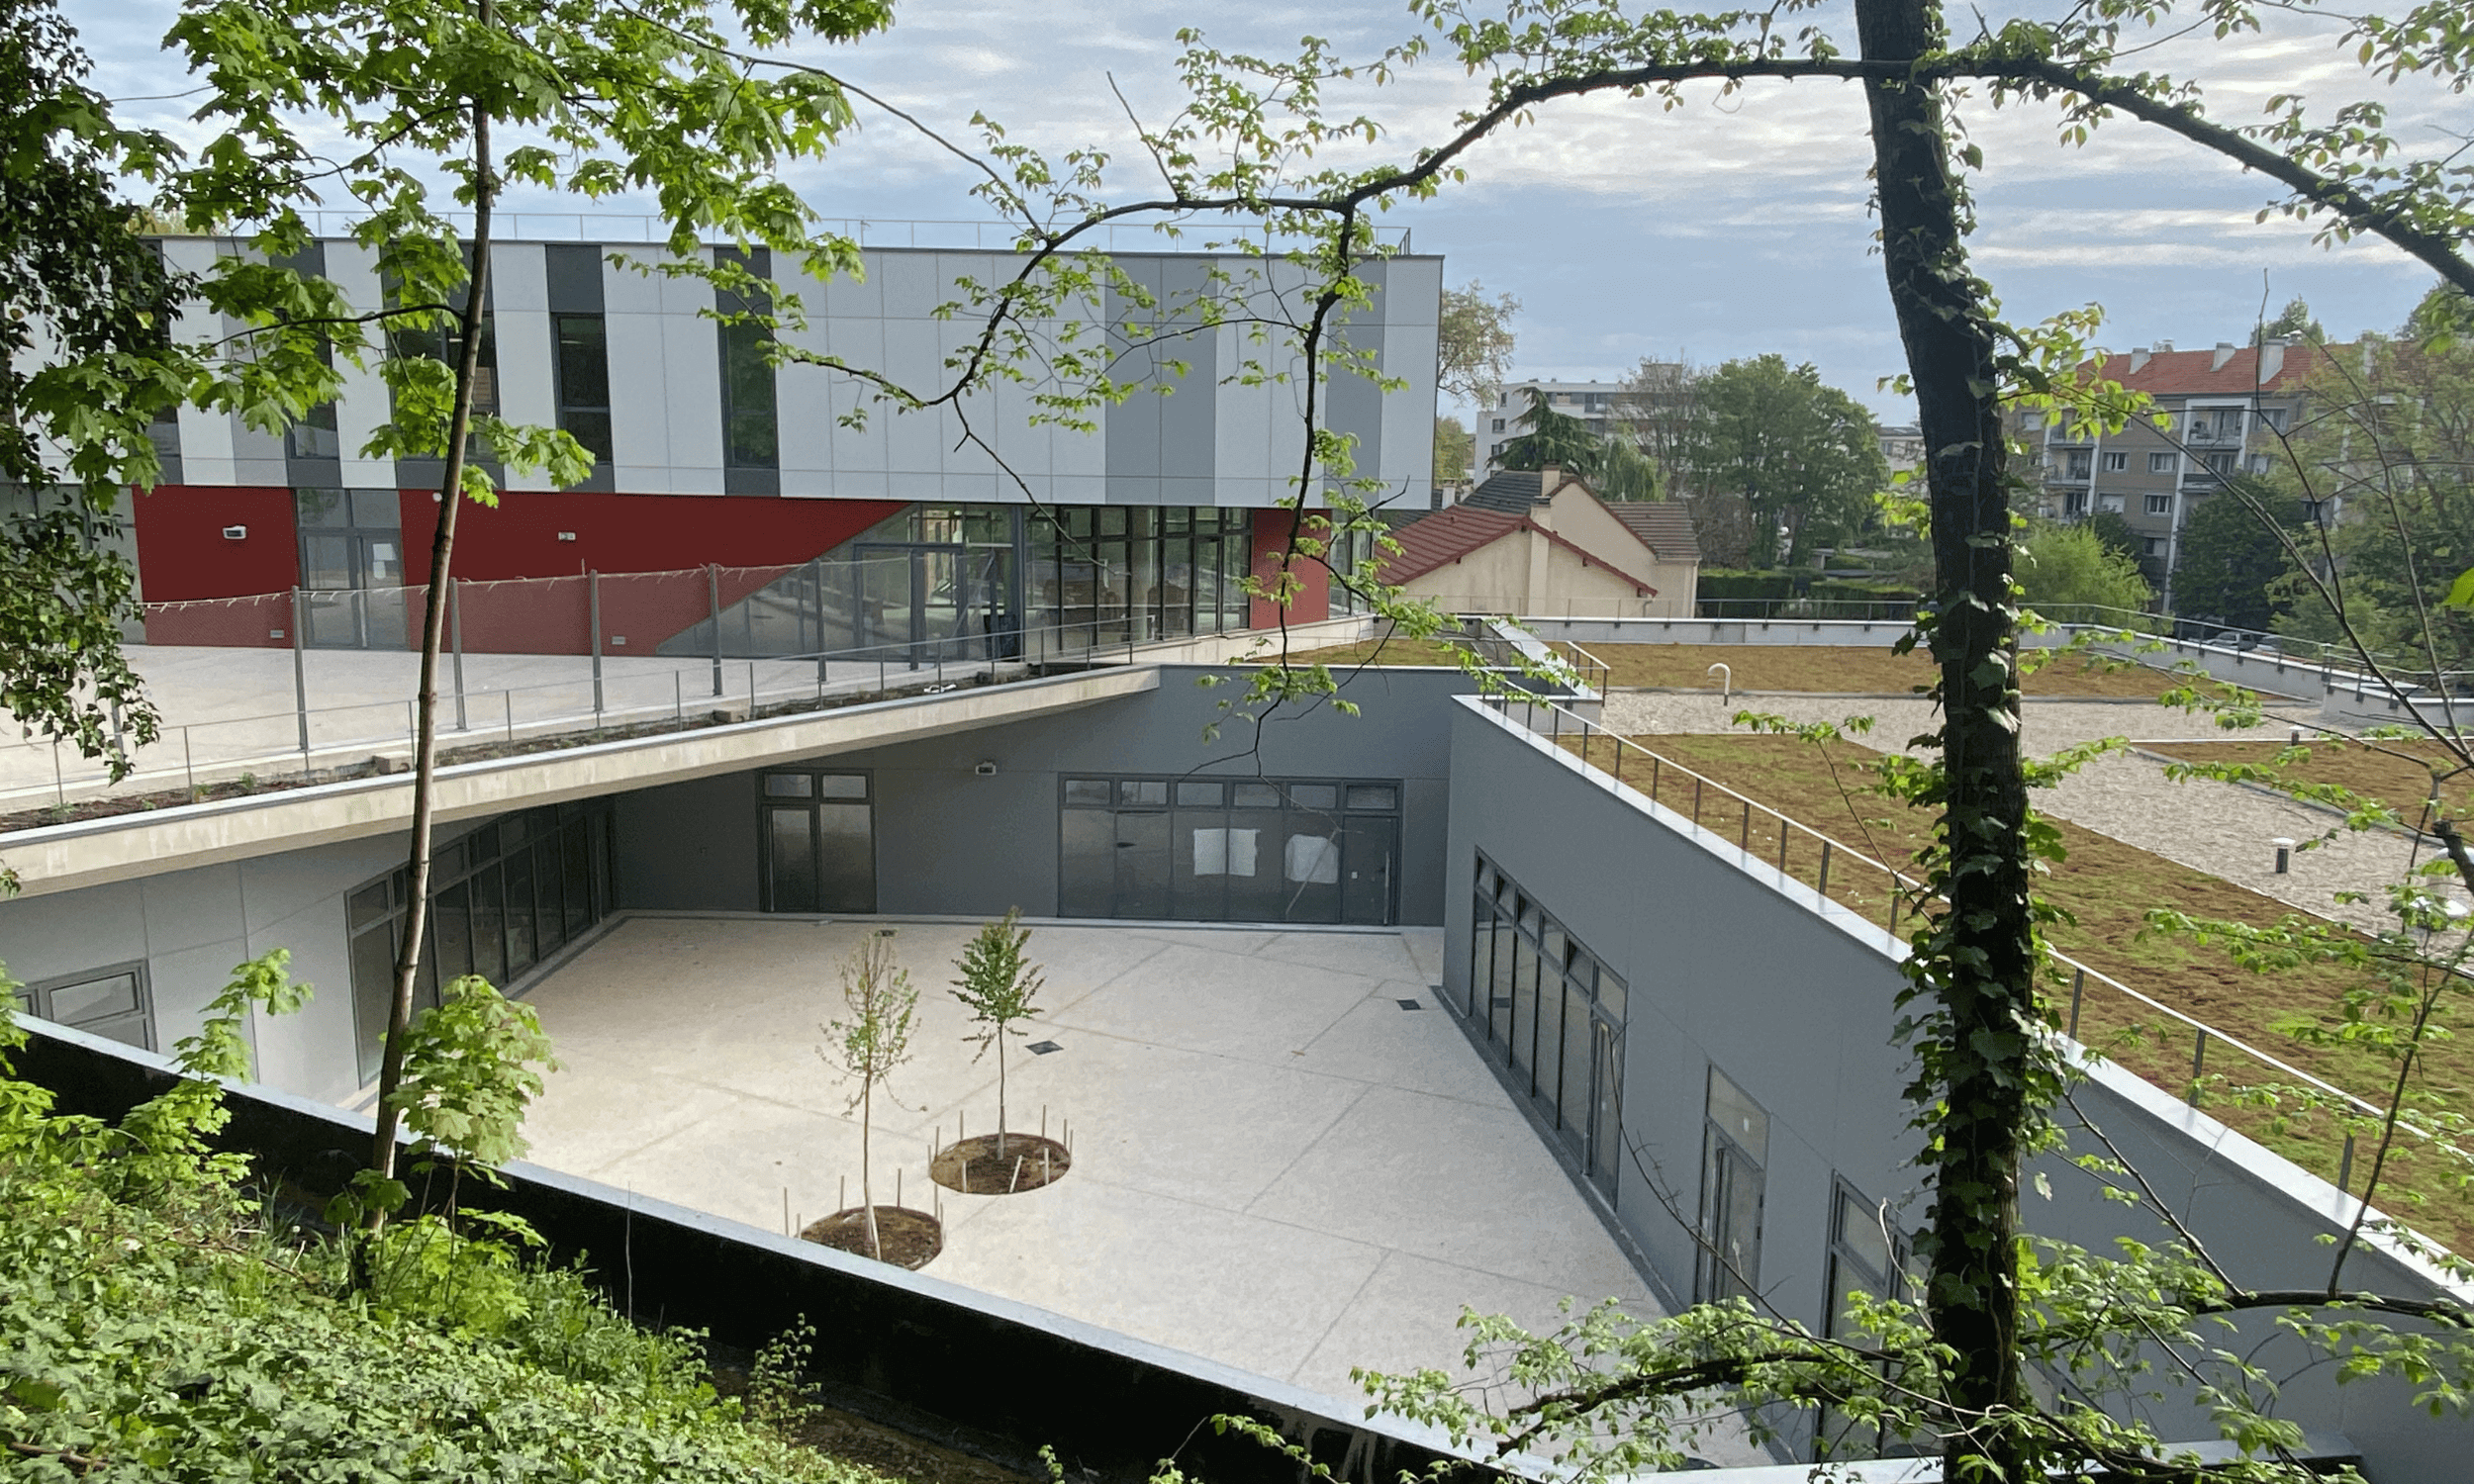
<point>566,535</point>
<point>235,533</point>
<point>984,768</point>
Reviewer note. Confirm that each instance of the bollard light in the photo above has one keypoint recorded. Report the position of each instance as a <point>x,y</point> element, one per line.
<point>2284,853</point>
<point>2296,738</point>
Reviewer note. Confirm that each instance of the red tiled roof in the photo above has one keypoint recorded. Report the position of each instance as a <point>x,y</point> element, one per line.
<point>1448,535</point>
<point>1663,525</point>
<point>1445,536</point>
<point>2194,373</point>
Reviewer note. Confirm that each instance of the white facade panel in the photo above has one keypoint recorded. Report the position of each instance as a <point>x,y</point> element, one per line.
<point>365,405</point>
<point>1408,456</point>
<point>691,371</point>
<point>639,430</point>
<point>520,281</point>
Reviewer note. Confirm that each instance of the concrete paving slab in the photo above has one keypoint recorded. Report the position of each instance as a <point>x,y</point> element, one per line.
<point>1251,1006</point>
<point>1407,1315</point>
<point>1453,1181</point>
<point>1419,1050</point>
<point>1376,955</point>
<point>1276,1165</point>
<point>1201,1271</point>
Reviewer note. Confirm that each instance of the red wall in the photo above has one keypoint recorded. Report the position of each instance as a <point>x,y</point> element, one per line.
<point>1272,530</point>
<point>182,556</point>
<point>677,535</point>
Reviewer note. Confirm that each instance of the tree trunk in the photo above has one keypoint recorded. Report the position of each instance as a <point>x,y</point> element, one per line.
<point>867,1184</point>
<point>433,641</point>
<point>1975,1078</point>
<point>1000,1092</point>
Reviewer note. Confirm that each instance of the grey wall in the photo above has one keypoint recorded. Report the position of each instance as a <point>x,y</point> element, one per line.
<point>949,840</point>
<point>1732,963</point>
<point>191,927</point>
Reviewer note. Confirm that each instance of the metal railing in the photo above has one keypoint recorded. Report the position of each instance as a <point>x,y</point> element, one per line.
<point>979,234</point>
<point>2133,1040</point>
<point>314,744</point>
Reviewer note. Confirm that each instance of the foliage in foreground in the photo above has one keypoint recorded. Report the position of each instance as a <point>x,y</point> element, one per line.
<point>158,1319</point>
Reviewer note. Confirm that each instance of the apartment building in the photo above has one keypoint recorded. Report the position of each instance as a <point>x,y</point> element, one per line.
<point>2217,412</point>
<point>1593,403</point>
<point>775,519</point>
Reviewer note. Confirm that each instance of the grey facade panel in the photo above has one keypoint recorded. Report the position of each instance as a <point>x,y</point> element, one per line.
<point>949,838</point>
<point>688,847</point>
<point>574,271</point>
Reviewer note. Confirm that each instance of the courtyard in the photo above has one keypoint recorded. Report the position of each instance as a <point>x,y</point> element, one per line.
<point>1276,1164</point>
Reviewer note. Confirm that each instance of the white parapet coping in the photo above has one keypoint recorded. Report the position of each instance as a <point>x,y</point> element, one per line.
<point>95,852</point>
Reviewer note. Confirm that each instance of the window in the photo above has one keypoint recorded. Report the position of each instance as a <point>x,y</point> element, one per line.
<point>1868,1256</point>
<point>2274,417</point>
<point>1735,1149</point>
<point>2163,463</point>
<point>2074,502</point>
<point>109,1002</point>
<point>1498,425</point>
<point>2109,505</point>
<point>583,381</point>
<point>750,433</point>
<point>819,842</point>
<point>1209,850</point>
<point>503,898</point>
<point>2076,466</point>
<point>2152,546</point>
<point>2116,463</point>
<point>1554,1015</point>
<point>2160,505</point>
<point>1105,576</point>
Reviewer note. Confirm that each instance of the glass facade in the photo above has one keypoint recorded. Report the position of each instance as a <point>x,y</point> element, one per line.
<point>501,898</point>
<point>1735,1152</point>
<point>1230,849</point>
<point>1108,575</point>
<point>1554,1014</point>
<point>961,581</point>
<point>583,381</point>
<point>751,435</point>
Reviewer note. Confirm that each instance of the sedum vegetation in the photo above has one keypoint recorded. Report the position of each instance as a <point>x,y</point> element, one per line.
<point>160,1318</point>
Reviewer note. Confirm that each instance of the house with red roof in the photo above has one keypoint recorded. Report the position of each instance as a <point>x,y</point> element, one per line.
<point>2217,412</point>
<point>1542,542</point>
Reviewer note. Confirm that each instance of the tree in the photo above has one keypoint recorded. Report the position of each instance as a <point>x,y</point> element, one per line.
<point>1454,448</point>
<point>604,99</point>
<point>2294,323</point>
<point>997,983</point>
<point>2066,567</point>
<point>2389,440</point>
<point>2228,561</point>
<point>2114,533</point>
<point>1549,437</point>
<point>1474,344</point>
<point>1654,409</point>
<point>87,363</point>
<point>1803,460</point>
<point>870,1045</point>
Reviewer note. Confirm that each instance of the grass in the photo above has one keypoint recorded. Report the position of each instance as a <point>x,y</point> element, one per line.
<point>2108,886</point>
<point>2400,783</point>
<point>1853,669</point>
<point>1392,651</point>
<point>1819,668</point>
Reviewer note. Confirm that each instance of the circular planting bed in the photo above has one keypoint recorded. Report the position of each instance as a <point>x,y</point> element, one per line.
<point>911,1239</point>
<point>975,1168</point>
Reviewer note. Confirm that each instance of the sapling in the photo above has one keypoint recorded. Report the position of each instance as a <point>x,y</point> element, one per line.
<point>870,1044</point>
<point>996,986</point>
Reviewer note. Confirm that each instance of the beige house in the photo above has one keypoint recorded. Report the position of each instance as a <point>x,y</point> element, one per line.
<point>1543,543</point>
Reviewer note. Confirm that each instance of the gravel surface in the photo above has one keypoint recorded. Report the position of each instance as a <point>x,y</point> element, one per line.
<point>2220,828</point>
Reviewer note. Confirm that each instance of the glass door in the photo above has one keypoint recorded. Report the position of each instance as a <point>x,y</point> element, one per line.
<point>1368,849</point>
<point>819,843</point>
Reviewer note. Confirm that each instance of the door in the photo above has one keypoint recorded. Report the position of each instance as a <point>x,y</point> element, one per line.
<point>1369,849</point>
<point>1142,863</point>
<point>819,843</point>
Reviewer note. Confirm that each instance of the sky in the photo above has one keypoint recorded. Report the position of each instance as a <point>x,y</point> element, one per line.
<point>1720,229</point>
